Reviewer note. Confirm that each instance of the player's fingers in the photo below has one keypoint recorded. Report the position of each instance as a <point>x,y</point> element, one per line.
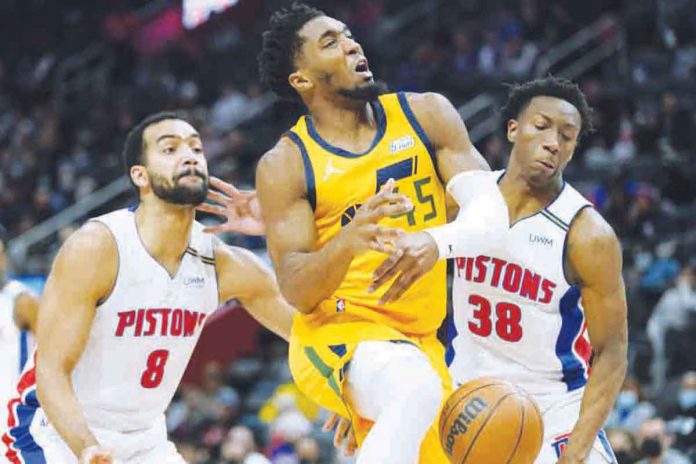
<point>387,270</point>
<point>330,422</point>
<point>216,229</point>
<point>223,186</point>
<point>341,430</point>
<point>379,246</point>
<point>400,285</point>
<point>385,199</point>
<point>390,209</point>
<point>218,197</point>
<point>212,209</point>
<point>351,443</point>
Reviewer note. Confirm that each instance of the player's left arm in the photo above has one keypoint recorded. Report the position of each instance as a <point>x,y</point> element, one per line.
<point>26,308</point>
<point>444,128</point>
<point>594,262</point>
<point>243,276</point>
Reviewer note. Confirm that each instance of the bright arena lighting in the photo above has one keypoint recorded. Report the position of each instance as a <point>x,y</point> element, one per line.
<point>196,12</point>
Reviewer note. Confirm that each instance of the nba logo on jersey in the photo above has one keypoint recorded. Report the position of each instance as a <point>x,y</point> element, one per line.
<point>340,305</point>
<point>559,444</point>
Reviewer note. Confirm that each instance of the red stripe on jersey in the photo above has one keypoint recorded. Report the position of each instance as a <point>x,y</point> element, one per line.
<point>582,346</point>
<point>26,381</point>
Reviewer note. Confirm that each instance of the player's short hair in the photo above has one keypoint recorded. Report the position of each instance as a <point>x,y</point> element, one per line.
<point>520,95</point>
<point>134,147</point>
<point>281,43</point>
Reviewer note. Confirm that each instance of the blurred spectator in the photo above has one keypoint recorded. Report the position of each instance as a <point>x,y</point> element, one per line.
<point>631,408</point>
<point>240,447</point>
<point>655,444</point>
<point>624,445</point>
<point>671,313</point>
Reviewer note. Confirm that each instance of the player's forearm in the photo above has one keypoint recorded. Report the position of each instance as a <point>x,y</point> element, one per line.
<point>482,220</point>
<point>608,371</point>
<point>306,279</point>
<point>273,313</point>
<point>57,398</point>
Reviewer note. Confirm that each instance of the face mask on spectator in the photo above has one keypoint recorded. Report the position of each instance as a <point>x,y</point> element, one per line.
<point>651,447</point>
<point>687,398</point>
<point>623,457</point>
<point>627,399</point>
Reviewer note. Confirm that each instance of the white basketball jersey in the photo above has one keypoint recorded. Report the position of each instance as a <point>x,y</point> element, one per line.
<point>14,344</point>
<point>515,315</point>
<point>144,333</point>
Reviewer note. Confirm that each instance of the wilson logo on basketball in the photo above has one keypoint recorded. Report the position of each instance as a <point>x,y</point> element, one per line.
<point>461,424</point>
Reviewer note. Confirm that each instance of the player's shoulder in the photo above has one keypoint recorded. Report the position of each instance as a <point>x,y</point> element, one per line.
<point>285,150</point>
<point>93,240</point>
<point>591,233</point>
<point>428,105</point>
<point>282,166</point>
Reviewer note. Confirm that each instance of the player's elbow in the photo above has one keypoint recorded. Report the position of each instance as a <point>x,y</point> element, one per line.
<point>615,353</point>
<point>298,300</point>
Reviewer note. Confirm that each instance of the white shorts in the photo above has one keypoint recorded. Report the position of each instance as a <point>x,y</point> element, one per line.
<point>560,415</point>
<point>42,444</point>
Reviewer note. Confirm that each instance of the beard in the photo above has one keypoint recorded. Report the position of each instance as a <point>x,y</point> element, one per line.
<point>172,191</point>
<point>365,93</point>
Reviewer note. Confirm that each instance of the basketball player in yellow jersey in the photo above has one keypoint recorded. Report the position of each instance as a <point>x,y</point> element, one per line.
<point>357,158</point>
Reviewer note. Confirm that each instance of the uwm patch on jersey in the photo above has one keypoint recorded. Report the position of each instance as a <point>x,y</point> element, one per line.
<point>516,315</point>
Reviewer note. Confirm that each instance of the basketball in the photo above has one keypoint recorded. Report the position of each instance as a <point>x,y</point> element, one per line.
<point>492,421</point>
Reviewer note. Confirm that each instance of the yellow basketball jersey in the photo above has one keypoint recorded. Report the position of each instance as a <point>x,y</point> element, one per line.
<point>338,182</point>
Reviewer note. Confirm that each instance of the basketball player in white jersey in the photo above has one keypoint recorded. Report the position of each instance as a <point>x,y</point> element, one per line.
<point>528,303</point>
<point>18,306</point>
<point>123,307</point>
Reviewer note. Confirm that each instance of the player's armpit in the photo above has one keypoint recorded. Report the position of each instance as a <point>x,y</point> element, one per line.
<point>594,263</point>
<point>83,273</point>
<point>242,275</point>
<point>447,133</point>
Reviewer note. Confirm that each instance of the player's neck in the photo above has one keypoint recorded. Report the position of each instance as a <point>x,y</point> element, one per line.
<point>523,198</point>
<point>165,230</point>
<point>337,120</point>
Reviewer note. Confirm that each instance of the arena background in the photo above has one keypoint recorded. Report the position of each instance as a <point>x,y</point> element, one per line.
<point>76,74</point>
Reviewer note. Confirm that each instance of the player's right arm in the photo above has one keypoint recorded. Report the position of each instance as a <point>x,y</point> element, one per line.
<point>307,273</point>
<point>83,274</point>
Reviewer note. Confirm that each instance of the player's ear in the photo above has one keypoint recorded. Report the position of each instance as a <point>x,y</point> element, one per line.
<point>512,127</point>
<point>300,82</point>
<point>138,174</point>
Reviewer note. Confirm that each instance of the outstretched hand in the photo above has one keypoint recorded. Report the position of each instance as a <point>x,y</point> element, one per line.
<point>344,433</point>
<point>240,208</point>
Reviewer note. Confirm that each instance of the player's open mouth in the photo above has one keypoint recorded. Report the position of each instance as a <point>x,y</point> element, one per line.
<point>362,68</point>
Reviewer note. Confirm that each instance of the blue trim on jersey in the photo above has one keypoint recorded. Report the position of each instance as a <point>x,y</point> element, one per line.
<point>24,443</point>
<point>451,335</point>
<point>548,211</point>
<point>23,349</point>
<point>309,172</point>
<point>408,112</point>
<point>380,119</point>
<point>571,324</point>
<point>339,350</point>
<point>606,445</point>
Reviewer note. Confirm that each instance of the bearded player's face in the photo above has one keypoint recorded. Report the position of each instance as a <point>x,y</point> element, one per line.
<point>332,61</point>
<point>175,164</point>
